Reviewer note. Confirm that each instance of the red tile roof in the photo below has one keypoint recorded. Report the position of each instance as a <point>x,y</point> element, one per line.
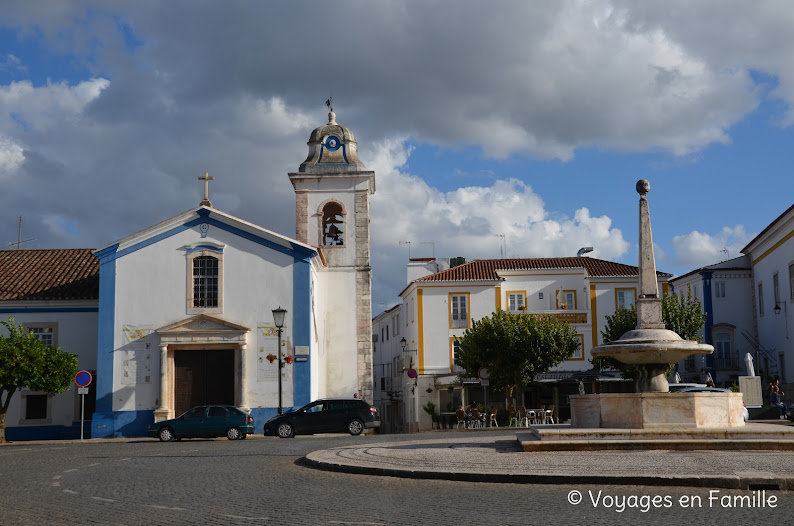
<point>485,269</point>
<point>68,274</point>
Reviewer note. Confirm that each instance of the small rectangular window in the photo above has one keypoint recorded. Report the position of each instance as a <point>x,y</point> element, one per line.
<point>719,289</point>
<point>459,311</point>
<point>36,407</point>
<point>45,334</point>
<point>776,287</point>
<point>205,281</point>
<point>624,298</point>
<point>516,301</point>
<point>566,299</point>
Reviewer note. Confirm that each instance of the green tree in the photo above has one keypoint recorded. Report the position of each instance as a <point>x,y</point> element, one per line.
<point>515,347</point>
<point>26,362</point>
<point>682,315</point>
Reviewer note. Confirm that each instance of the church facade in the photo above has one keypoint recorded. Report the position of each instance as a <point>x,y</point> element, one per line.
<point>182,313</point>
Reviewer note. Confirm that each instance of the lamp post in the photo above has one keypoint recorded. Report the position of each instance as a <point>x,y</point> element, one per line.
<point>278,320</point>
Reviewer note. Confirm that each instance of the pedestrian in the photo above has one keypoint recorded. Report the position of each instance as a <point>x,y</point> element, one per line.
<point>355,395</point>
<point>775,400</point>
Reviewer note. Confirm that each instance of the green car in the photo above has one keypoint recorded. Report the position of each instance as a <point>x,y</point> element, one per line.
<point>205,421</point>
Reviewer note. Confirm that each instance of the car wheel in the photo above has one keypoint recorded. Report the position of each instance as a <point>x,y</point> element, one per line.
<point>355,427</point>
<point>233,433</point>
<point>285,430</point>
<point>167,434</point>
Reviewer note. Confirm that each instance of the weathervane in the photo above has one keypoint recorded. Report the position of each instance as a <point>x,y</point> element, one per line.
<point>331,114</point>
<point>206,179</point>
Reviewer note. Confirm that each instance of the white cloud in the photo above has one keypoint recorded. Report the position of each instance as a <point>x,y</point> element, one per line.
<point>469,221</point>
<point>698,249</point>
<point>11,157</point>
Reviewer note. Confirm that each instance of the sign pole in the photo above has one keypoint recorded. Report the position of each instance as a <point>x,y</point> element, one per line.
<point>83,380</point>
<point>82,415</point>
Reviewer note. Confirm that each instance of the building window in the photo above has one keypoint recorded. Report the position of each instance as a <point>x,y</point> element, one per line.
<point>761,299</point>
<point>566,299</point>
<point>578,354</point>
<point>776,288</point>
<point>723,345</point>
<point>333,225</point>
<point>624,298</point>
<point>46,332</point>
<point>387,333</point>
<point>719,290</point>
<point>516,301</point>
<point>205,280</point>
<point>36,408</point>
<point>395,325</point>
<point>454,352</point>
<point>459,311</point>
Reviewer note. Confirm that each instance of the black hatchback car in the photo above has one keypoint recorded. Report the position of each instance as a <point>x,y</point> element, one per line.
<point>332,415</point>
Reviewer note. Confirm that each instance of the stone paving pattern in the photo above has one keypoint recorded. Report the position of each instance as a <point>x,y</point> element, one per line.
<point>261,481</point>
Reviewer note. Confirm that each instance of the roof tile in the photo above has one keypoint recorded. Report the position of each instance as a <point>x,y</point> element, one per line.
<point>59,274</point>
<point>485,269</point>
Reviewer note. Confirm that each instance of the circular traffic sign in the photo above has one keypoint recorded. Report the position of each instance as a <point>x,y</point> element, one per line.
<point>83,378</point>
<point>484,373</point>
<point>411,373</point>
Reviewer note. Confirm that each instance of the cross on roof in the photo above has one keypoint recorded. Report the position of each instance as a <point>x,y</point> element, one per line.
<point>206,179</point>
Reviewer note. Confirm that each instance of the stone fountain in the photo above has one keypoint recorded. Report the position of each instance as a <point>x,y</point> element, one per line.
<point>651,349</point>
<point>652,417</point>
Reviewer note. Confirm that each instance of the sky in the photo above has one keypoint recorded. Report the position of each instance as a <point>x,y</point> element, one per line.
<point>512,128</point>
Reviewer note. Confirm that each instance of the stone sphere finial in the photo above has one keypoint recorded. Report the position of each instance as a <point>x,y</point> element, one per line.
<point>643,186</point>
<point>332,118</point>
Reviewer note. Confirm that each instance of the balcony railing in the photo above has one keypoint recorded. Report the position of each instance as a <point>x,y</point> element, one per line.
<point>567,316</point>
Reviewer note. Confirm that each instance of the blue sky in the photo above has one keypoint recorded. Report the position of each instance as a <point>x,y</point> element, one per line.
<point>531,120</point>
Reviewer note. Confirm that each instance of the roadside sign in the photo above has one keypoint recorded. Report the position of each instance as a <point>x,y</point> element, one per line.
<point>83,379</point>
<point>82,390</point>
<point>412,373</point>
<point>484,373</point>
<point>485,383</point>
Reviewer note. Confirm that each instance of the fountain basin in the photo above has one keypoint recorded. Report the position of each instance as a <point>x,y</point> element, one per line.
<point>671,411</point>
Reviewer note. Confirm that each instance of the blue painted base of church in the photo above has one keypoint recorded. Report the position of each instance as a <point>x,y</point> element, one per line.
<point>72,432</point>
<point>262,415</point>
<point>121,424</point>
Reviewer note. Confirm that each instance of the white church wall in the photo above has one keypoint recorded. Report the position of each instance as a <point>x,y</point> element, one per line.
<point>151,293</point>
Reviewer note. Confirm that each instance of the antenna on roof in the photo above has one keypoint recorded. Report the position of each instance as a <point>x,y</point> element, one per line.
<point>503,248</point>
<point>19,240</point>
<point>727,254</point>
<point>409,247</point>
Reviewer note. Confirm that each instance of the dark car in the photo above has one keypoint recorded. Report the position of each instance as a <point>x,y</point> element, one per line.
<point>342,415</point>
<point>205,421</point>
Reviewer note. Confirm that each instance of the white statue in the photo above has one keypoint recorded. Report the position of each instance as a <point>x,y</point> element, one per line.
<point>748,361</point>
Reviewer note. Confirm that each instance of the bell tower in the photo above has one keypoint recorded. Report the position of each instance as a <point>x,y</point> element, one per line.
<point>332,189</point>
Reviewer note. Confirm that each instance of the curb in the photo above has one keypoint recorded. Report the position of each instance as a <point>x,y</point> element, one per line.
<point>751,482</point>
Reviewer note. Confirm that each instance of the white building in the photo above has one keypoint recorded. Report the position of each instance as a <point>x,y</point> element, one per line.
<point>180,314</point>
<point>440,306</point>
<point>747,300</point>
<point>725,291</point>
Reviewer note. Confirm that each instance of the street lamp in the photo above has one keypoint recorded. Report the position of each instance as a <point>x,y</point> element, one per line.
<point>278,319</point>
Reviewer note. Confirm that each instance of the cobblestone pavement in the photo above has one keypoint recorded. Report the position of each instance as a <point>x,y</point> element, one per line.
<point>262,481</point>
<point>499,458</point>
